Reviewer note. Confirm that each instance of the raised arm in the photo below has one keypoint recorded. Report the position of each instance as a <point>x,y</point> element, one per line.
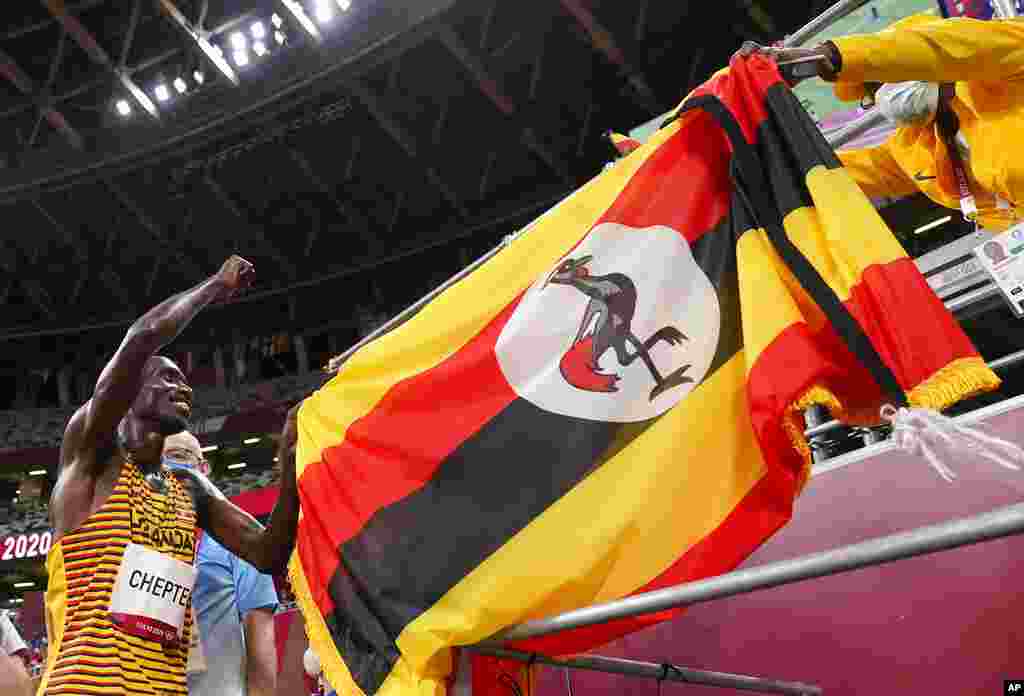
<point>120,381</point>
<point>265,548</point>
<point>917,48</point>
<point>939,50</point>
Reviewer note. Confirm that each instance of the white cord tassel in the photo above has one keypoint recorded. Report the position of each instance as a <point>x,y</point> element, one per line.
<point>925,432</point>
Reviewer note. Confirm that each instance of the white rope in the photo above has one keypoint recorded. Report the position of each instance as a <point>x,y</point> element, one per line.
<point>927,433</point>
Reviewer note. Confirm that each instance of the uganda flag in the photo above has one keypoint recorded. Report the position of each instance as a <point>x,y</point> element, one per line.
<point>612,404</point>
<point>623,144</point>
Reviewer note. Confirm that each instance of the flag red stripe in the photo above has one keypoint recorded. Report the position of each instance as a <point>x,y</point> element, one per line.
<point>434,411</point>
<point>742,91</point>
<point>684,185</point>
<point>897,310</point>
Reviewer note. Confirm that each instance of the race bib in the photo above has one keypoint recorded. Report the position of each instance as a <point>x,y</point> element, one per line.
<point>151,595</point>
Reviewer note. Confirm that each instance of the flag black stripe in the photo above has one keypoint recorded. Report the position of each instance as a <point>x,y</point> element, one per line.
<point>770,193</point>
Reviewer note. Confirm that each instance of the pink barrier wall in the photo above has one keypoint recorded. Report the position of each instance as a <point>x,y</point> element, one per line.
<point>951,623</point>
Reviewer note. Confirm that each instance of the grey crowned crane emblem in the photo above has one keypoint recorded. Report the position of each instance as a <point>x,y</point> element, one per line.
<point>606,325</point>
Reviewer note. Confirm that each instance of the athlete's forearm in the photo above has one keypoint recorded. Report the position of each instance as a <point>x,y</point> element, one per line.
<point>163,323</point>
<point>266,548</point>
<point>278,539</point>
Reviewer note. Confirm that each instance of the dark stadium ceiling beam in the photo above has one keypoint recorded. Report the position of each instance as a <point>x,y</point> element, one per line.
<point>76,8</point>
<point>27,278</point>
<point>40,98</point>
<point>255,232</point>
<point>98,82</point>
<point>71,239</point>
<point>640,30</point>
<point>604,42</point>
<point>84,38</point>
<point>405,140</point>
<point>485,28</point>
<point>158,262</point>
<point>492,90</point>
<point>396,212</point>
<point>200,39</point>
<point>154,229</point>
<point>204,11</point>
<point>346,211</point>
<point>129,35</point>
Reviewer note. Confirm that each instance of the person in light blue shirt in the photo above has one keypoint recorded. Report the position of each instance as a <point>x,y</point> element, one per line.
<point>234,604</point>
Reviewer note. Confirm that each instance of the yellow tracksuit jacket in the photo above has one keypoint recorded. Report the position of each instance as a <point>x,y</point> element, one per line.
<point>985,59</point>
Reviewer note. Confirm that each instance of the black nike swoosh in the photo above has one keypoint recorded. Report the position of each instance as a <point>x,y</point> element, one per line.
<point>921,177</point>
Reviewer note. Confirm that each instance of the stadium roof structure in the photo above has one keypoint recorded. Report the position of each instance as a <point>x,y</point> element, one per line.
<point>352,149</point>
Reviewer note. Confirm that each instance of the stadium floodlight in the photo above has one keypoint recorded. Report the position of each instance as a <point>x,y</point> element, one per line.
<point>250,441</point>
<point>199,77</point>
<point>210,448</point>
<point>216,56</point>
<point>241,58</point>
<point>238,41</point>
<point>179,84</point>
<point>279,37</point>
<point>212,52</point>
<point>258,30</point>
<point>324,13</point>
<point>161,92</point>
<point>37,472</point>
<point>123,107</point>
<point>259,48</point>
<point>299,13</point>
<point>344,5</point>
<point>23,585</point>
<point>239,465</point>
<point>276,20</point>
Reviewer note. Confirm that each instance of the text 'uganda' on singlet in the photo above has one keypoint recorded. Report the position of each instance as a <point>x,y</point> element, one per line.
<point>88,653</point>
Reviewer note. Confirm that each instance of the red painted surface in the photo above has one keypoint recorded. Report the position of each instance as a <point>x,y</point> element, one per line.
<point>951,623</point>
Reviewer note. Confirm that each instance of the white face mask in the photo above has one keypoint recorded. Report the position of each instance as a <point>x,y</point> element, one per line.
<point>908,103</point>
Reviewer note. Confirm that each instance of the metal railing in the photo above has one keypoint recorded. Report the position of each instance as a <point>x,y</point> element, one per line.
<point>1003,522</point>
<point>1003,363</point>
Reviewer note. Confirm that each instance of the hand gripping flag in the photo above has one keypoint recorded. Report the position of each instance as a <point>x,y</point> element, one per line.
<point>613,403</point>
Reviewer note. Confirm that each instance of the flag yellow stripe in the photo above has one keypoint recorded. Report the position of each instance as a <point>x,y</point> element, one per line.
<point>607,537</point>
<point>841,237</point>
<point>453,319</point>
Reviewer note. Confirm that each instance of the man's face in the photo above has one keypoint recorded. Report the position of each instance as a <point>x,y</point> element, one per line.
<point>165,397</point>
<point>183,447</point>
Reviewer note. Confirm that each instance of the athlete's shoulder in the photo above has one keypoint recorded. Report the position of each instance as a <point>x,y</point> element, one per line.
<point>77,440</point>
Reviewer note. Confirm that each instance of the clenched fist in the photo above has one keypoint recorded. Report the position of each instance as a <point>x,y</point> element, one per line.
<point>234,276</point>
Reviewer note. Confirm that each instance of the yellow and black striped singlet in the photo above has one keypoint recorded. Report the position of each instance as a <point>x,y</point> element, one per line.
<point>88,655</point>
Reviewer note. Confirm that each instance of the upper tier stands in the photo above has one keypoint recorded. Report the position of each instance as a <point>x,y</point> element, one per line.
<point>44,427</point>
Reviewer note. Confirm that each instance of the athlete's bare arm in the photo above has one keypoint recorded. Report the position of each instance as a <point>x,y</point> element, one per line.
<point>266,548</point>
<point>88,471</point>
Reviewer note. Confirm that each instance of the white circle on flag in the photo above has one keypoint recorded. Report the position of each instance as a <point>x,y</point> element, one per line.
<point>675,314</point>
